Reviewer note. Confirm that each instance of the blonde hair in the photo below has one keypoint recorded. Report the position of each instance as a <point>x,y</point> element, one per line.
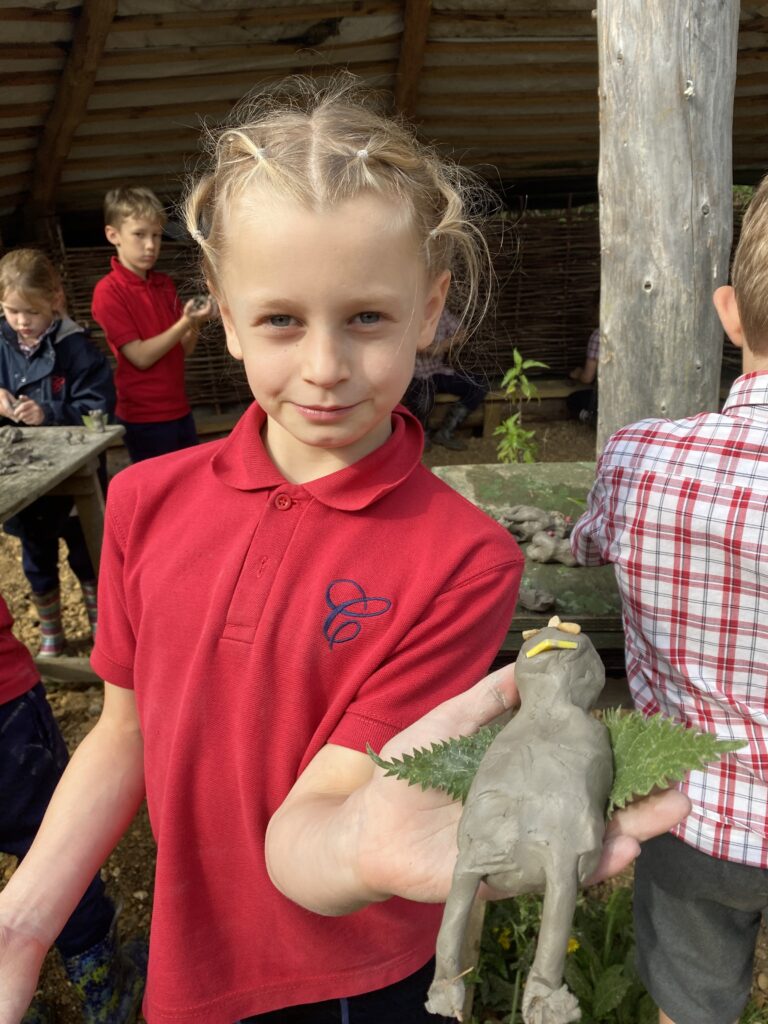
<point>749,273</point>
<point>122,203</point>
<point>30,273</point>
<point>322,144</point>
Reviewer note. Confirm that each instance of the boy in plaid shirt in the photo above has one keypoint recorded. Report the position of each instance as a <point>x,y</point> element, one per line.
<point>681,509</point>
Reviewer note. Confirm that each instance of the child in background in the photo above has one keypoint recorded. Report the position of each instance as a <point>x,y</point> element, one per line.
<point>432,375</point>
<point>278,600</point>
<point>108,976</point>
<point>680,508</point>
<point>582,405</point>
<point>146,328</point>
<point>50,375</point>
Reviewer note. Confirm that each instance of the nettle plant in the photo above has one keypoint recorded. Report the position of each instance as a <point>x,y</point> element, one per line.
<point>517,444</point>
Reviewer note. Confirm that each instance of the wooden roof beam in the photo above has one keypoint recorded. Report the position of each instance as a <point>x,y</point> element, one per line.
<point>68,109</point>
<point>412,50</point>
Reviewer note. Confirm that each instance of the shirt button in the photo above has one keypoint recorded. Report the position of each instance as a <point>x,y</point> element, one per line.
<point>282,501</point>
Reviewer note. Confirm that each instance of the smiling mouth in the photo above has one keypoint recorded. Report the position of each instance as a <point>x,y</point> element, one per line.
<point>324,411</point>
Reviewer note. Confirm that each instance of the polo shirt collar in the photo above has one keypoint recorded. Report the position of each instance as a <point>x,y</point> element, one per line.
<point>128,277</point>
<point>242,462</point>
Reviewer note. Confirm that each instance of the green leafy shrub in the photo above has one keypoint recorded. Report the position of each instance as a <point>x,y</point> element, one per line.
<point>517,444</point>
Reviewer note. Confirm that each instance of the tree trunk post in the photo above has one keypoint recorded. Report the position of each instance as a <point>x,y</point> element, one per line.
<point>667,79</point>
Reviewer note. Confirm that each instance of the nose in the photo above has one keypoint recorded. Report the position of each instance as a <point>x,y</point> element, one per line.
<point>324,357</point>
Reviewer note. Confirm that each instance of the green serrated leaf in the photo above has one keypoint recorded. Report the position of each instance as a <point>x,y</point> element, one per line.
<point>656,751</point>
<point>449,766</point>
<point>611,987</point>
<point>577,981</point>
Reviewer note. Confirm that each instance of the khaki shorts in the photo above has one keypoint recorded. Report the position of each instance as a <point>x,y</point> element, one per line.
<point>696,924</point>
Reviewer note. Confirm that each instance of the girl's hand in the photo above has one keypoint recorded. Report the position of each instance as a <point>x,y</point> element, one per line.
<point>408,835</point>
<point>20,961</point>
<point>28,412</point>
<point>7,404</point>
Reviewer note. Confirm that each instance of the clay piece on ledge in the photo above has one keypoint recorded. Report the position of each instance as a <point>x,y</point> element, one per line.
<point>533,599</point>
<point>534,817</point>
<point>523,521</point>
<point>546,548</point>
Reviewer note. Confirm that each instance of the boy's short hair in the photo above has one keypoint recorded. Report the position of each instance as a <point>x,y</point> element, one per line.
<point>122,203</point>
<point>749,273</point>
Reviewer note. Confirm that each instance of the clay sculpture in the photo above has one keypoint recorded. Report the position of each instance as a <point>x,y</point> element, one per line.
<point>534,817</point>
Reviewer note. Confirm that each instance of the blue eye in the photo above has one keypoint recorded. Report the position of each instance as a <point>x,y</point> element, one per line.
<point>369,318</point>
<point>280,320</point>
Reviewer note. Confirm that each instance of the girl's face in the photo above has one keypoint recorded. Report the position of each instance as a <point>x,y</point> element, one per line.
<point>29,315</point>
<point>327,311</point>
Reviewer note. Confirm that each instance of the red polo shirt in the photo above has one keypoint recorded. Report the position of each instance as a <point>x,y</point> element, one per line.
<point>257,621</point>
<point>129,308</point>
<point>17,670</point>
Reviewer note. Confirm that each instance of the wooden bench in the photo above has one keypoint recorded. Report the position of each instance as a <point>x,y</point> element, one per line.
<point>497,407</point>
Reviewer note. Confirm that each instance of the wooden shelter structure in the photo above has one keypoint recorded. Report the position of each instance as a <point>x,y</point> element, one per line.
<point>104,92</point>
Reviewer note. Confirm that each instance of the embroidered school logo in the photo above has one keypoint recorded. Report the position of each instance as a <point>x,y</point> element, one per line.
<point>349,604</point>
<point>57,384</point>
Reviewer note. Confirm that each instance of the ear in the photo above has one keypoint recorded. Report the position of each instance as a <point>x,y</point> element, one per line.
<point>725,304</point>
<point>433,307</point>
<point>113,235</point>
<point>233,342</point>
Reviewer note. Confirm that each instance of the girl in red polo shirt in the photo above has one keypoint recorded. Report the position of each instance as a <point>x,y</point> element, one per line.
<point>273,602</point>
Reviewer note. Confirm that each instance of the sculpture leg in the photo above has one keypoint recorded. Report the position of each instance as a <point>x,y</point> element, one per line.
<point>546,1000</point>
<point>446,993</point>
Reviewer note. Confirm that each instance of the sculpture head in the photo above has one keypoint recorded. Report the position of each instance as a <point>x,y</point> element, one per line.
<point>560,654</point>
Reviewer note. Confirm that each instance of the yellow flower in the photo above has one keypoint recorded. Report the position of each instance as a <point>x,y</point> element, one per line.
<point>573,945</point>
<point>504,938</point>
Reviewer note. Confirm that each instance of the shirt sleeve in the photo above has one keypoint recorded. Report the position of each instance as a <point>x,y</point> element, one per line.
<point>112,313</point>
<point>115,633</point>
<point>450,649</point>
<point>589,540</point>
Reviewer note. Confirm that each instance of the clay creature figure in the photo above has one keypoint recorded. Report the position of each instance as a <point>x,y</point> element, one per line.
<point>534,817</point>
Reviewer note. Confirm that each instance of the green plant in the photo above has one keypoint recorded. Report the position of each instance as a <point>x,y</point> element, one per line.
<point>517,444</point>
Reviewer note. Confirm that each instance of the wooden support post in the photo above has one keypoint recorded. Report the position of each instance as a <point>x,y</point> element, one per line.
<point>68,109</point>
<point>412,49</point>
<point>667,78</point>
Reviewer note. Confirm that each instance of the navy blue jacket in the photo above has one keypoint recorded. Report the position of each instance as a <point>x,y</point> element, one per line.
<point>67,375</point>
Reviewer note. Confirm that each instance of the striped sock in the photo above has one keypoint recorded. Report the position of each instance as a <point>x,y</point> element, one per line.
<point>48,607</point>
<point>89,595</point>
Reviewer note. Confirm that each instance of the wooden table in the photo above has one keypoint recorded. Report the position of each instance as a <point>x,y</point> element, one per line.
<point>65,460</point>
<point>585,595</point>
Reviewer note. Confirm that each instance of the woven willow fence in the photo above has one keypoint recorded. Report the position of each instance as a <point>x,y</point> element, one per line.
<point>548,272</point>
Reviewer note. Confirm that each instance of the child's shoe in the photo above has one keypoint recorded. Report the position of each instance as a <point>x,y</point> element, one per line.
<point>109,978</point>
<point>48,607</point>
<point>88,588</point>
<point>39,1012</point>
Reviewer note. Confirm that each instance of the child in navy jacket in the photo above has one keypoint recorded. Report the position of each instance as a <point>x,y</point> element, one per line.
<point>50,375</point>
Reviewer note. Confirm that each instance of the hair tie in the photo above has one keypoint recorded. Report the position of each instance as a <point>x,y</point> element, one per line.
<point>362,154</point>
<point>260,154</point>
<point>432,234</point>
<point>198,236</point>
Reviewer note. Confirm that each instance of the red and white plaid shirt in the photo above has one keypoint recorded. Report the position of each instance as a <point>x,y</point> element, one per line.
<point>681,510</point>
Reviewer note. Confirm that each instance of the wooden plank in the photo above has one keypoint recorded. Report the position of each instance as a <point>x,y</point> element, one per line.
<point>70,672</point>
<point>71,101</point>
<point>412,51</point>
<point>253,16</point>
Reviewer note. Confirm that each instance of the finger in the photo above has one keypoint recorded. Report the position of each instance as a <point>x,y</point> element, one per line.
<point>641,820</point>
<point>651,815</point>
<point>461,715</point>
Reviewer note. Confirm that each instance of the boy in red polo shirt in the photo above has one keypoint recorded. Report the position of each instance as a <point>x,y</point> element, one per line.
<point>146,328</point>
